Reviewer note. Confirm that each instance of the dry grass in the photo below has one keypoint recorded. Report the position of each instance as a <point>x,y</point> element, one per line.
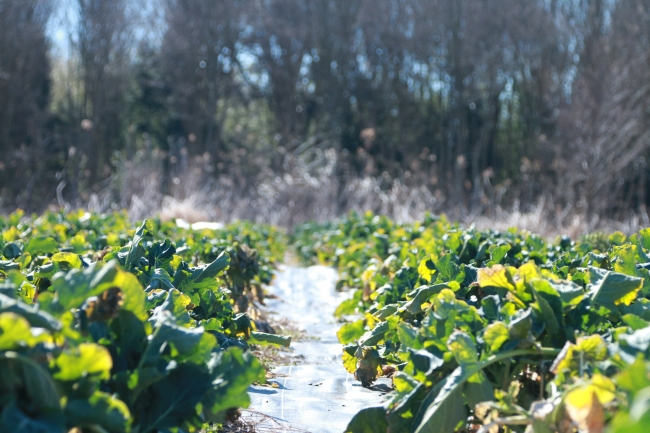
<point>310,191</point>
<point>252,421</point>
<point>271,356</point>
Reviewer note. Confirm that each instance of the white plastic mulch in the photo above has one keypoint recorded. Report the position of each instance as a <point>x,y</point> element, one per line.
<point>316,394</point>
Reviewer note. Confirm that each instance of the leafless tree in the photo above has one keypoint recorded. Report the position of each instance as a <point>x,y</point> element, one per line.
<point>24,96</point>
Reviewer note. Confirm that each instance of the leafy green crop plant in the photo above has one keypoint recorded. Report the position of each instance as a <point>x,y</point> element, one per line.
<point>107,332</point>
<point>491,331</point>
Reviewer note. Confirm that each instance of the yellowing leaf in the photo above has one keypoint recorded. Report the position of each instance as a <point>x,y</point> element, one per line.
<point>585,404</point>
<point>113,240</point>
<point>496,276</point>
<point>367,274</point>
<point>604,388</point>
<point>427,268</point>
<point>349,362</point>
<point>585,410</point>
<point>88,358</point>
<point>14,331</point>
<point>11,234</point>
<point>528,271</point>
<point>67,260</point>
<point>617,238</point>
<point>495,335</point>
<point>594,347</point>
<point>629,298</point>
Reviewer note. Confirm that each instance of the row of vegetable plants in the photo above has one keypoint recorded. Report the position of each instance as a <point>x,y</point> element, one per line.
<point>109,328</point>
<point>491,331</point>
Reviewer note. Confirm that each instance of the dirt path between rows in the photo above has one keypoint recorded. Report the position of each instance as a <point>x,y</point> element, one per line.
<point>315,394</point>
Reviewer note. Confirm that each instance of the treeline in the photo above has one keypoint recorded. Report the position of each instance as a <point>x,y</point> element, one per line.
<point>485,103</point>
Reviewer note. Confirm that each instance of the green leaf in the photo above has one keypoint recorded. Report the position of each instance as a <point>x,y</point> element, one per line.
<point>211,270</point>
<point>443,408</point>
<point>448,270</point>
<point>100,410</point>
<point>264,339</point>
<point>24,260</point>
<point>498,252</point>
<point>41,245</point>
<point>570,293</point>
<point>386,312</point>
<point>640,307</point>
<point>550,304</point>
<point>36,317</point>
<point>168,333</point>
<point>463,348</point>
<point>408,335</point>
<point>624,259</point>
<point>67,260</point>
<point>420,296</point>
<point>11,250</point>
<point>645,237</point>
<point>375,335</point>
<point>29,389</point>
<point>15,332</point>
<point>74,287</point>
<point>495,335</point>
<point>160,280</point>
<point>136,250</point>
<point>351,332</point>
<point>447,409</point>
<point>176,304</point>
<point>610,289</point>
<point>635,322</point>
<point>8,265</point>
<point>635,377</point>
<point>87,358</point>
<point>15,420</point>
<point>369,420</point>
<point>617,238</point>
<point>478,387</point>
<point>349,306</point>
<point>491,305</point>
<point>232,372</point>
<point>632,344</point>
<point>155,298</point>
<point>520,325</point>
<point>171,401</point>
<point>134,297</point>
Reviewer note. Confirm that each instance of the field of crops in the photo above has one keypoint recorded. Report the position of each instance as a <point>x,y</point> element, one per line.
<point>486,331</point>
<point>110,326</point>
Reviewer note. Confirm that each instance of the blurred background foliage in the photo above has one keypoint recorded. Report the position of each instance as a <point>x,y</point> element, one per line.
<point>287,110</point>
